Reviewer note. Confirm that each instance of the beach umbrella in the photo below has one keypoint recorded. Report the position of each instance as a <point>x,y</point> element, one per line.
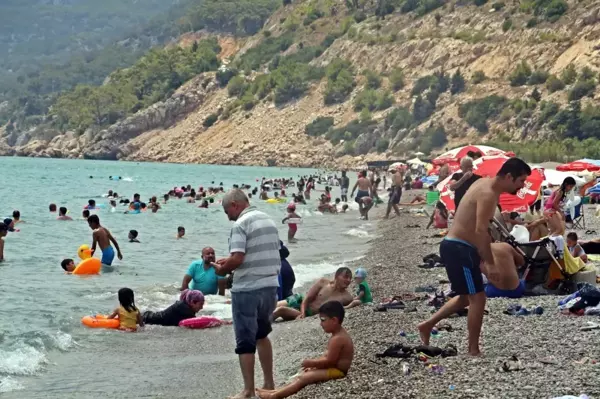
<point>489,167</point>
<point>396,165</point>
<point>415,161</point>
<point>555,177</point>
<point>578,166</point>
<point>457,154</point>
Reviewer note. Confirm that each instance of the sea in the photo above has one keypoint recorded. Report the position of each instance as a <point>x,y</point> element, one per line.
<point>41,335</point>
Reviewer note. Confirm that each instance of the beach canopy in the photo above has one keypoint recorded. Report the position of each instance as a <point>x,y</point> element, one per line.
<point>396,165</point>
<point>416,161</point>
<point>555,177</point>
<point>578,166</point>
<point>489,167</point>
<point>455,155</point>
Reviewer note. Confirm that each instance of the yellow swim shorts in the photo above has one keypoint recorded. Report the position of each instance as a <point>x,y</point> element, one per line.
<point>335,373</point>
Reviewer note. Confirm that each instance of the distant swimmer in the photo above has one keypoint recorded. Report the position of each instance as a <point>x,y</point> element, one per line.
<point>52,208</point>
<point>62,214</point>
<point>180,232</point>
<point>85,214</point>
<point>68,265</point>
<point>292,227</point>
<point>365,189</point>
<point>133,236</point>
<point>468,243</point>
<point>3,232</point>
<point>102,237</point>
<point>16,215</point>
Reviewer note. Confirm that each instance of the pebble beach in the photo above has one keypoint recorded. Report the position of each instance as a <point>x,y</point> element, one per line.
<point>557,358</point>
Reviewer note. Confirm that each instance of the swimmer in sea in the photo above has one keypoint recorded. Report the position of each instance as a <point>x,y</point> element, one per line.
<point>103,238</point>
<point>180,232</point>
<point>91,204</point>
<point>364,190</point>
<point>292,227</point>
<point>68,265</point>
<point>62,214</point>
<point>133,235</point>
<point>3,232</point>
<point>52,208</point>
<point>165,198</point>
<point>85,214</point>
<point>17,217</point>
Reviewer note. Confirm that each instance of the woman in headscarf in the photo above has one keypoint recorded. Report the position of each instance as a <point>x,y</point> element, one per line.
<point>190,302</point>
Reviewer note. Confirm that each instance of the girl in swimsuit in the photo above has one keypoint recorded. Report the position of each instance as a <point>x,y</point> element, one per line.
<point>292,227</point>
<point>553,209</point>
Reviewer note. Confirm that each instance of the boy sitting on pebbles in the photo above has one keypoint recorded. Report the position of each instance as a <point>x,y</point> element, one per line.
<point>332,366</point>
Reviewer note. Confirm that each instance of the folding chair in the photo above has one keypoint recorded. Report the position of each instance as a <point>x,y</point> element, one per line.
<point>578,219</point>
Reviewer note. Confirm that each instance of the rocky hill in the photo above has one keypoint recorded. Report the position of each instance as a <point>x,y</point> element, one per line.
<point>330,82</point>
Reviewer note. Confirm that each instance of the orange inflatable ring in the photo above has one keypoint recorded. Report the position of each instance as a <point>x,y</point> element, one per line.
<point>100,321</point>
<point>88,266</point>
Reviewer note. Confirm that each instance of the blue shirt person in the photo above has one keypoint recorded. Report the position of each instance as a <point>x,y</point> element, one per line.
<point>201,275</point>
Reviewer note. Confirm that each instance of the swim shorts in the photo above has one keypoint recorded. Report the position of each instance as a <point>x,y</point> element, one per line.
<point>462,266</point>
<point>334,373</point>
<point>295,302</point>
<point>344,191</point>
<point>108,255</point>
<point>395,195</point>
<point>493,292</point>
<point>360,194</point>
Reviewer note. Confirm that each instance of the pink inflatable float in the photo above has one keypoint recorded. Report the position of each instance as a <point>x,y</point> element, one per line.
<point>202,322</point>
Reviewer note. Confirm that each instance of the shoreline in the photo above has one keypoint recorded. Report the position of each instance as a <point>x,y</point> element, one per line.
<point>392,268</point>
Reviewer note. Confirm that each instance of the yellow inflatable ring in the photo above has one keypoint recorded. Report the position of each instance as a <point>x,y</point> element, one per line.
<point>275,201</point>
<point>88,266</point>
<point>100,321</point>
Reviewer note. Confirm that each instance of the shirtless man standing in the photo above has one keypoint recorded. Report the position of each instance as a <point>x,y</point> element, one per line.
<point>365,189</point>
<point>324,290</point>
<point>103,238</point>
<point>503,279</point>
<point>396,193</point>
<point>468,242</point>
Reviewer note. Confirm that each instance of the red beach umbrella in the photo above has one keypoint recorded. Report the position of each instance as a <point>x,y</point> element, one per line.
<point>457,154</point>
<point>578,166</point>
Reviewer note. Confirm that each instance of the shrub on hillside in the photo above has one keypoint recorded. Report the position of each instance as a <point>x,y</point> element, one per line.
<point>372,79</point>
<point>225,74</point>
<point>507,24</point>
<point>396,79</point>
<point>582,89</point>
<point>399,118</point>
<point>586,74</point>
<point>422,109</point>
<point>478,77</point>
<point>554,84</point>
<point>477,112</point>
<point>382,145</point>
<point>537,77</point>
<point>498,6</point>
<point>520,75</point>
<point>319,126</point>
<point>457,83</point>
<point>237,86</point>
<point>210,120</point>
<point>569,74</point>
<point>433,137</point>
<point>340,81</point>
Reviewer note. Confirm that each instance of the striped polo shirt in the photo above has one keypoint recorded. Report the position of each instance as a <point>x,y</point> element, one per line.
<point>255,235</point>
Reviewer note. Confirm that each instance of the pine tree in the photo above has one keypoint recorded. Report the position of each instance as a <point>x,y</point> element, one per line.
<point>458,83</point>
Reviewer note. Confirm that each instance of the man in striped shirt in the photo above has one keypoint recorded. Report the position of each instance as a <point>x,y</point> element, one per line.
<point>254,256</point>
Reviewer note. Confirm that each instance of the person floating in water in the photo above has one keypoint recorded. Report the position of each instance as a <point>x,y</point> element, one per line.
<point>52,208</point>
<point>68,265</point>
<point>334,364</point>
<point>133,235</point>
<point>17,217</point>
<point>180,232</point>
<point>62,214</point>
<point>292,227</point>
<point>128,314</point>
<point>102,237</point>
<point>85,214</point>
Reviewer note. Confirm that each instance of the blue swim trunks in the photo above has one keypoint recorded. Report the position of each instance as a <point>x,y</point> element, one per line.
<point>360,194</point>
<point>493,292</point>
<point>108,255</point>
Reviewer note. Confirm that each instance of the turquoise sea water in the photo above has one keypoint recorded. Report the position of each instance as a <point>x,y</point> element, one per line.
<point>41,307</point>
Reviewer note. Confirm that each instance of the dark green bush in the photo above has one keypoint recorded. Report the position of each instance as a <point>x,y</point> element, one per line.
<point>396,79</point>
<point>237,86</point>
<point>340,81</point>
<point>537,77</point>
<point>224,75</point>
<point>210,120</point>
<point>498,6</point>
<point>319,126</point>
<point>457,83</point>
<point>569,74</point>
<point>478,77</point>
<point>422,109</point>
<point>520,75</point>
<point>507,24</point>
<point>582,89</point>
<point>477,112</point>
<point>382,145</point>
<point>532,22</point>
<point>373,80</point>
<point>554,84</point>
<point>399,118</point>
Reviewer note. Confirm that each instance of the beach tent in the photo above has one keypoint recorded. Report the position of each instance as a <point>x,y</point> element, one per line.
<point>489,167</point>
<point>416,161</point>
<point>456,154</point>
<point>578,166</point>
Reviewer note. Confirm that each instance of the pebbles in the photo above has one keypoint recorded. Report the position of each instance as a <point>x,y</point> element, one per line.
<point>392,265</point>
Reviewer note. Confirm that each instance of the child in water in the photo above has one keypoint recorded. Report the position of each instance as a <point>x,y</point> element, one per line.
<point>363,293</point>
<point>3,232</point>
<point>129,316</point>
<point>68,265</point>
<point>292,227</point>
<point>333,365</point>
<point>190,302</point>
<point>103,238</point>
<point>180,232</point>
<point>85,214</point>
<point>133,234</point>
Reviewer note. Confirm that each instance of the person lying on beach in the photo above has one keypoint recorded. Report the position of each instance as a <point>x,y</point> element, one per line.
<point>334,364</point>
<point>299,306</point>
<point>363,292</point>
<point>68,265</point>
<point>503,280</point>
<point>467,243</point>
<point>190,302</point>
<point>102,237</point>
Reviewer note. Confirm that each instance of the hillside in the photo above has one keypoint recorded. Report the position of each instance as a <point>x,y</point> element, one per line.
<point>338,82</point>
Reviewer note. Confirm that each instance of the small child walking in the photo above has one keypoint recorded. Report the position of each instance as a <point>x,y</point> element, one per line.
<point>292,227</point>
<point>333,365</point>
<point>129,316</point>
<point>363,292</point>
